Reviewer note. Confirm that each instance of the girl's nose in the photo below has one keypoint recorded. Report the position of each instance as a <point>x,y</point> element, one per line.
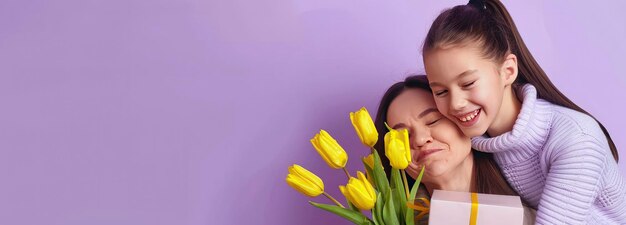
<point>457,102</point>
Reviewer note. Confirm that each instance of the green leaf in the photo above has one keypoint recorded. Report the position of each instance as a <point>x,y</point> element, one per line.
<point>397,203</point>
<point>378,209</point>
<point>352,206</point>
<point>409,217</point>
<point>380,178</point>
<point>375,218</point>
<point>389,213</point>
<point>396,180</point>
<point>367,167</point>
<point>416,184</point>
<point>370,172</point>
<point>398,193</point>
<point>410,214</point>
<point>355,217</point>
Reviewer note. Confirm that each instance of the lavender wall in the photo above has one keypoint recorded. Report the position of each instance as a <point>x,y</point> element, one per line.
<point>189,112</point>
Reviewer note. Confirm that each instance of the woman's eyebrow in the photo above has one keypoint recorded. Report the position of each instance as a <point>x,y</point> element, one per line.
<point>422,114</point>
<point>398,126</point>
<point>427,111</point>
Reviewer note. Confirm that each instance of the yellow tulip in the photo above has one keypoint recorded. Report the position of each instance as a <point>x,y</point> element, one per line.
<point>364,126</point>
<point>397,148</point>
<point>330,150</point>
<point>304,181</point>
<point>359,192</point>
<point>369,160</point>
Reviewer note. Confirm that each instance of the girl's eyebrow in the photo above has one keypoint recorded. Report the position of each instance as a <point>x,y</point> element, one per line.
<point>461,75</point>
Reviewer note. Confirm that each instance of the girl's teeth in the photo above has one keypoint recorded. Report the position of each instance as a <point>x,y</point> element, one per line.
<point>469,117</point>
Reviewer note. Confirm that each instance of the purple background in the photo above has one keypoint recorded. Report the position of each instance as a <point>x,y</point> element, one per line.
<point>189,112</point>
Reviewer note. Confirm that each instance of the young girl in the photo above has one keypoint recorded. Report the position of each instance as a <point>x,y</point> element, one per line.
<point>554,154</point>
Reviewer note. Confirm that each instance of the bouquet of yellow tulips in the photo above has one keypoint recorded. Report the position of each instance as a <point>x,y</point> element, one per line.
<point>389,200</point>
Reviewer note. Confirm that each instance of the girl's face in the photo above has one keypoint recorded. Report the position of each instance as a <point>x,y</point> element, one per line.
<point>468,88</point>
<point>435,141</point>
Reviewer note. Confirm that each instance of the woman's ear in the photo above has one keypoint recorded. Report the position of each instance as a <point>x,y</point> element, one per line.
<point>508,71</point>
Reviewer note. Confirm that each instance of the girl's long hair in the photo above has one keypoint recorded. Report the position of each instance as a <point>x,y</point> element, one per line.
<point>489,179</point>
<point>488,23</point>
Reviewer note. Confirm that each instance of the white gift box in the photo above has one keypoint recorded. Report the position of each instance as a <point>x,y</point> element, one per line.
<point>451,207</point>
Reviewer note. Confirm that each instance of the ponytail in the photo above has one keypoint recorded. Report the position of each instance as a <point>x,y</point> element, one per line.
<point>489,23</point>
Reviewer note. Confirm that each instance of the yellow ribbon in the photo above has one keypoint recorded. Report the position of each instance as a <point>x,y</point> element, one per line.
<point>423,209</point>
<point>474,212</point>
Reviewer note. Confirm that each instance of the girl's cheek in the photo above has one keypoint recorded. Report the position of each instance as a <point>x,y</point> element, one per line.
<point>441,105</point>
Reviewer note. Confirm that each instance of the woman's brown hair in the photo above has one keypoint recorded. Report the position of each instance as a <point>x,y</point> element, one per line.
<point>487,174</point>
<point>488,23</point>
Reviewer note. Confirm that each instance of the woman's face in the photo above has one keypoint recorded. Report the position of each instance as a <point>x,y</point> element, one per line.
<point>435,141</point>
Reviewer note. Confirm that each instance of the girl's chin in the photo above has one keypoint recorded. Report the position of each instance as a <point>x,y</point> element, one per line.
<point>474,131</point>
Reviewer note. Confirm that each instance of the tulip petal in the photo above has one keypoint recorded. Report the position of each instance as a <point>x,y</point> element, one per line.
<point>369,160</point>
<point>307,175</point>
<point>396,156</point>
<point>343,190</point>
<point>367,184</point>
<point>302,186</point>
<point>346,191</point>
<point>355,123</point>
<point>359,194</point>
<point>395,148</point>
<point>332,152</point>
<point>304,181</point>
<point>356,196</point>
<point>320,150</point>
<point>367,127</point>
<point>405,139</point>
<point>364,126</point>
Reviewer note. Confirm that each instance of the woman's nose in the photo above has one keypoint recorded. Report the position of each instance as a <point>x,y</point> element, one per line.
<point>422,136</point>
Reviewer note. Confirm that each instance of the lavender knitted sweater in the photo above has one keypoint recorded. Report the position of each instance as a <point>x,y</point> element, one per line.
<point>559,161</point>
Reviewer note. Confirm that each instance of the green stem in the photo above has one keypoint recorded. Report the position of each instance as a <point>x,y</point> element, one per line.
<point>388,127</point>
<point>333,199</point>
<point>347,174</point>
<point>406,184</point>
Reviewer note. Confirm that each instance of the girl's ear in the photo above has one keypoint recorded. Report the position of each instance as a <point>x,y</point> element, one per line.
<point>508,72</point>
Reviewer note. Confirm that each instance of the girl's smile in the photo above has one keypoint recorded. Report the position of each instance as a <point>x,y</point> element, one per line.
<point>469,119</point>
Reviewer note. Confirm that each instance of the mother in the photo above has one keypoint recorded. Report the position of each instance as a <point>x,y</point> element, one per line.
<point>437,143</point>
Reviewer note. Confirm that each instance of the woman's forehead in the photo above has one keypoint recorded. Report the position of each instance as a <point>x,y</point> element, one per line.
<point>409,102</point>
<point>416,97</point>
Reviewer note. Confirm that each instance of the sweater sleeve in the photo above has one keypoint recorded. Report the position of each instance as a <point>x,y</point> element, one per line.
<point>576,165</point>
